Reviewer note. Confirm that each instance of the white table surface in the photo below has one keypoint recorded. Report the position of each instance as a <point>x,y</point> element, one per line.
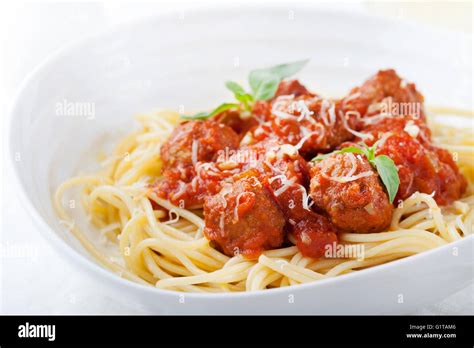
<point>33,277</point>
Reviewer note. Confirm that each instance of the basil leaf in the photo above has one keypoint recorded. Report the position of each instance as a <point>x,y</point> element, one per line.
<point>235,88</point>
<point>321,157</point>
<point>371,151</point>
<point>352,149</point>
<point>216,111</point>
<point>244,98</point>
<point>267,88</point>
<point>269,77</point>
<point>240,94</point>
<point>388,172</point>
<point>199,116</point>
<point>281,71</point>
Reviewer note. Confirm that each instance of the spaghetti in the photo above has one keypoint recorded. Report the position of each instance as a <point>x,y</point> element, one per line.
<point>163,245</point>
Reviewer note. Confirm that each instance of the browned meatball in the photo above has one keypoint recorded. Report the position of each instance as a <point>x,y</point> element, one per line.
<point>291,87</point>
<point>233,119</point>
<point>310,123</point>
<point>349,190</point>
<point>188,177</point>
<point>244,217</point>
<point>196,141</point>
<point>384,88</point>
<point>421,166</point>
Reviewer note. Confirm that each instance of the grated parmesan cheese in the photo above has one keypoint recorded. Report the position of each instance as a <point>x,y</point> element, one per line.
<point>194,151</point>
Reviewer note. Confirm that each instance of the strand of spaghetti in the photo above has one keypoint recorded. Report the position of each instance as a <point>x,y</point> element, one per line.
<point>210,263</point>
<point>125,243</point>
<point>113,195</point>
<point>251,275</point>
<point>141,166</point>
<point>175,232</point>
<point>284,281</point>
<point>466,225</point>
<point>201,261</point>
<point>407,249</point>
<point>104,232</point>
<point>383,236</point>
<point>182,212</point>
<point>170,266</point>
<point>199,233</point>
<point>217,255</point>
<point>233,261</point>
<point>135,236</point>
<point>426,225</point>
<point>284,252</point>
<point>415,218</point>
<point>350,265</point>
<point>227,275</point>
<point>291,271</point>
<point>124,147</point>
<point>163,247</point>
<point>262,274</point>
<point>152,136</point>
<point>271,278</point>
<point>458,148</point>
<point>156,230</point>
<point>319,265</point>
<point>434,209</point>
<point>296,258</point>
<point>449,111</point>
<point>153,266</point>
<point>90,247</point>
<point>399,242</point>
<point>303,262</point>
<point>453,231</point>
<point>413,209</point>
<point>127,160</point>
<point>158,234</point>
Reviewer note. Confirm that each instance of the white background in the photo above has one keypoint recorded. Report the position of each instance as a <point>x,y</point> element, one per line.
<point>33,277</point>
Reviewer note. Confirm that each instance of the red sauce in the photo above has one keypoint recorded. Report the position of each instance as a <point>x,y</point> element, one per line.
<point>253,203</point>
<point>421,166</point>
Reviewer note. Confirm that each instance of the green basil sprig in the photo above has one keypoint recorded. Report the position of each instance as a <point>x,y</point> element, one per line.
<point>263,83</point>
<point>204,115</point>
<point>384,165</point>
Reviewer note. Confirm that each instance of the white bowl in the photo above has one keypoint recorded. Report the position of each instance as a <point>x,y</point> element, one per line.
<point>170,61</point>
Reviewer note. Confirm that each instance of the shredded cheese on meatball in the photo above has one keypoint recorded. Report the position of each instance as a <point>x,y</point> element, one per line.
<point>350,130</point>
<point>194,151</point>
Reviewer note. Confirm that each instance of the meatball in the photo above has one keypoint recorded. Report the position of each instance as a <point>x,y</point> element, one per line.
<point>285,170</point>
<point>233,119</point>
<point>242,124</point>
<point>452,183</point>
<point>309,123</point>
<point>195,141</point>
<point>189,175</point>
<point>291,87</point>
<point>422,167</point>
<point>288,176</point>
<point>244,218</point>
<point>314,235</point>
<point>188,188</point>
<point>415,127</point>
<point>382,91</point>
<point>349,190</point>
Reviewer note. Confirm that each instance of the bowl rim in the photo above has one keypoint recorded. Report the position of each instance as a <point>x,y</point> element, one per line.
<point>92,267</point>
